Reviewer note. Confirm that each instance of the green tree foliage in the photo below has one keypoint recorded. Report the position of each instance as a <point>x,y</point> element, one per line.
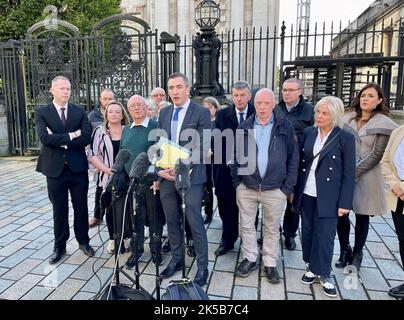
<point>16,16</point>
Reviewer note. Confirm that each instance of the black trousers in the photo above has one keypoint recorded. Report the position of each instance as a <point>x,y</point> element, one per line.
<point>361,231</point>
<point>148,205</point>
<point>208,196</point>
<point>398,219</point>
<point>58,190</point>
<point>154,212</point>
<point>171,201</point>
<point>97,206</point>
<point>318,236</point>
<point>228,212</point>
<point>290,222</point>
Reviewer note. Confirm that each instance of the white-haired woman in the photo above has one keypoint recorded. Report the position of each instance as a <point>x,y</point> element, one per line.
<point>325,188</point>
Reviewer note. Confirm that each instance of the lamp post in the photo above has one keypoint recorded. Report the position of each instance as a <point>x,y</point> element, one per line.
<point>207,51</point>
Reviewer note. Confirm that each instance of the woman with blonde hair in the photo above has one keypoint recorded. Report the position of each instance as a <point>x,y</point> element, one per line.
<point>105,143</point>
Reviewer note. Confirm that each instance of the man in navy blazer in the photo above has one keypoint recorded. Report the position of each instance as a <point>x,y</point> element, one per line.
<point>229,119</point>
<point>187,124</point>
<point>64,131</point>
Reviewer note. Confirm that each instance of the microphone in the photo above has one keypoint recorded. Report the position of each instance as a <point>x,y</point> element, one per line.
<point>182,177</point>
<point>152,174</point>
<point>121,159</point>
<point>139,167</point>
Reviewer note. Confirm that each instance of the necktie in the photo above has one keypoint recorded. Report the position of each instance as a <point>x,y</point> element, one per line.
<point>174,125</point>
<point>62,117</point>
<point>241,117</point>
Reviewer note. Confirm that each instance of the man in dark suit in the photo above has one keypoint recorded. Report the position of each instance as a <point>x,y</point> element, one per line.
<point>64,131</point>
<point>187,124</point>
<point>229,118</point>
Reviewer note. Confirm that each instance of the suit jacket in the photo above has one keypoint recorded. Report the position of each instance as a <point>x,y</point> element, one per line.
<point>53,156</point>
<point>196,118</point>
<point>335,172</point>
<point>226,119</point>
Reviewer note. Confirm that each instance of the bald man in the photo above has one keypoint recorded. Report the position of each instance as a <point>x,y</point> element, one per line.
<point>268,178</point>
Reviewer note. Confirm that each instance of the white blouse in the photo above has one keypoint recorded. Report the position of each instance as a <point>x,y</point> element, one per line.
<point>310,189</point>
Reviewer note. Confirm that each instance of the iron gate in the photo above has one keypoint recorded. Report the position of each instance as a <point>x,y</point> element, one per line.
<point>121,53</point>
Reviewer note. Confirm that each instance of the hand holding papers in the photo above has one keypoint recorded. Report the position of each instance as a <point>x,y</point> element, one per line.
<point>170,153</point>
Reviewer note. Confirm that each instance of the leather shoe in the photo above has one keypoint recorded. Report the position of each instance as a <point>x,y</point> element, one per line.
<point>166,247</point>
<point>290,243</point>
<point>222,250</point>
<point>56,255</point>
<point>397,292</point>
<point>272,274</point>
<point>171,269</point>
<point>201,277</point>
<point>87,249</point>
<point>94,222</point>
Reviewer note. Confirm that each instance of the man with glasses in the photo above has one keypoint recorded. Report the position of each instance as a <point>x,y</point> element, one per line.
<point>158,95</point>
<point>230,118</point>
<point>301,114</point>
<point>135,138</point>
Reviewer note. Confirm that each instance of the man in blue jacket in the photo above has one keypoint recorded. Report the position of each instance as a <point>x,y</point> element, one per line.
<point>301,114</point>
<point>264,171</point>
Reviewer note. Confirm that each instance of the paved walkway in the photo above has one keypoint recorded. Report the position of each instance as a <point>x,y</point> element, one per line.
<point>26,242</point>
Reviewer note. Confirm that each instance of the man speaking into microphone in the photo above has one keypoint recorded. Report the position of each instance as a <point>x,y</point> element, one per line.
<point>135,139</point>
<point>183,115</point>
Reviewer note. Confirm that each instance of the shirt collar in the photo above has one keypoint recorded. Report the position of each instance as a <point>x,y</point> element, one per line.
<point>58,107</point>
<point>145,123</point>
<point>326,137</point>
<point>185,105</point>
<point>259,124</point>
<point>244,112</point>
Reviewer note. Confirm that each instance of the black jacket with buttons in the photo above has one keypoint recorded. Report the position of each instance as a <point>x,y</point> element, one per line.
<point>335,172</point>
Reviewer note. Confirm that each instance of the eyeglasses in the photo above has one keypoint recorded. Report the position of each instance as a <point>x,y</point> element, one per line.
<point>159,94</point>
<point>137,105</point>
<point>289,90</point>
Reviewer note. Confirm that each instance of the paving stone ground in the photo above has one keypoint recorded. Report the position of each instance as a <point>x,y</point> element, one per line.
<point>26,242</point>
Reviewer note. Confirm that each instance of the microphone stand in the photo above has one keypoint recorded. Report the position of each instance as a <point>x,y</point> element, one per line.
<point>183,207</point>
<point>117,233</point>
<point>156,239</point>
<point>134,234</point>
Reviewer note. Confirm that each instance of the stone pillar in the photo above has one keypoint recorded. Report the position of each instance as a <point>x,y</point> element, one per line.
<point>236,22</point>
<point>160,17</point>
<point>265,13</point>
